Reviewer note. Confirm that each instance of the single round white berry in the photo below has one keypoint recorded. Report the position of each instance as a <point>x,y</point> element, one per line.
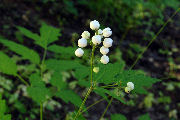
<point>107,42</point>
<point>96,69</point>
<point>79,52</point>
<point>96,39</point>
<point>104,50</point>
<point>127,89</point>
<point>94,25</point>
<point>100,32</point>
<point>85,35</point>
<point>130,85</point>
<point>104,59</point>
<point>82,42</point>
<point>107,32</point>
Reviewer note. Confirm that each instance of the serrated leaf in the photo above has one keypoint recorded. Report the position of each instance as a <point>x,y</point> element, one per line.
<point>118,117</point>
<point>140,80</point>
<point>107,73</point>
<point>144,117</point>
<point>69,96</point>
<point>61,65</point>
<point>57,81</point>
<point>3,110</point>
<point>28,33</point>
<point>62,50</point>
<point>103,92</point>
<point>25,52</point>
<point>82,72</point>
<point>38,91</point>
<point>7,65</point>
<point>48,35</point>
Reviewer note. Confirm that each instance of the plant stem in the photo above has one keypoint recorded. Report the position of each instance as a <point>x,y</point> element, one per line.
<point>152,40</point>
<point>41,111</point>
<point>26,83</point>
<point>141,54</point>
<point>91,87</point>
<point>106,108</point>
<point>92,105</point>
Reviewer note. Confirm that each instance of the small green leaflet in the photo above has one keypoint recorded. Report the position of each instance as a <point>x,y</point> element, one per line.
<point>3,110</point>
<point>48,35</point>
<point>7,65</point>
<point>107,73</point>
<point>62,50</point>
<point>102,92</point>
<point>144,117</point>
<point>139,79</point>
<point>38,90</point>
<point>25,52</point>
<point>69,96</point>
<point>61,65</point>
<point>57,81</point>
<point>118,117</point>
<point>28,33</point>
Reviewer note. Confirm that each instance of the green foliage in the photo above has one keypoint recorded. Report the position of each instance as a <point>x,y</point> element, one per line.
<point>107,73</point>
<point>69,96</point>
<point>62,50</point>
<point>144,117</point>
<point>7,65</point>
<point>140,80</point>
<point>25,52</point>
<point>3,116</point>
<point>118,117</point>
<point>48,35</point>
<point>38,91</point>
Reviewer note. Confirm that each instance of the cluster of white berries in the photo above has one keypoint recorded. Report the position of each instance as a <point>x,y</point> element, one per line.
<point>130,87</point>
<point>96,40</point>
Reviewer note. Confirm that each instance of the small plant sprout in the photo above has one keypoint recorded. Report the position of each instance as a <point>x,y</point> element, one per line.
<point>130,87</point>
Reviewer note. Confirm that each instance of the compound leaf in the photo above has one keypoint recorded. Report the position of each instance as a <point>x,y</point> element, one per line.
<point>25,52</point>
<point>7,65</point>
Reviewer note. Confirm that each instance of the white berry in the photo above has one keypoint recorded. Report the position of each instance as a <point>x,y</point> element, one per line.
<point>94,25</point>
<point>127,89</point>
<point>100,32</point>
<point>107,32</point>
<point>130,85</point>
<point>104,50</point>
<point>104,59</point>
<point>85,35</point>
<point>82,42</point>
<point>96,69</point>
<point>79,52</point>
<point>107,42</point>
<point>96,39</point>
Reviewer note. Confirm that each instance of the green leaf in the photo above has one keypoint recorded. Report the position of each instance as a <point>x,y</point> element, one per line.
<point>3,110</point>
<point>139,79</point>
<point>25,52</point>
<point>38,91</point>
<point>28,33</point>
<point>62,50</point>
<point>102,92</point>
<point>61,65</point>
<point>48,35</point>
<point>118,117</point>
<point>69,96</point>
<point>82,72</point>
<point>7,65</point>
<point>144,117</point>
<point>57,81</point>
<point>107,73</point>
